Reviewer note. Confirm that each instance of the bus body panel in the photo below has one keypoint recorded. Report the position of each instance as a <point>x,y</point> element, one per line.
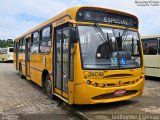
<point>10,54</point>
<point>158,63</point>
<point>39,77</point>
<point>152,65</point>
<point>88,93</point>
<point>78,73</point>
<point>151,55</point>
<point>32,67</point>
<point>71,92</point>
<point>23,69</point>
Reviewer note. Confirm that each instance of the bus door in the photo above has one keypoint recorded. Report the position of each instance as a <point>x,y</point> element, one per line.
<point>27,56</point>
<point>17,50</point>
<point>61,61</point>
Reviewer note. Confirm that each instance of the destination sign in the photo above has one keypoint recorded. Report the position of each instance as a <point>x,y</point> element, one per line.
<point>116,21</point>
<point>107,17</point>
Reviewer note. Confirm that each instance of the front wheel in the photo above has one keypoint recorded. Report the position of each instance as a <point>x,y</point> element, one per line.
<point>48,87</point>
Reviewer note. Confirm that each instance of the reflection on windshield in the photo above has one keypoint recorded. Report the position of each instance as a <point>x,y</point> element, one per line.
<point>119,50</point>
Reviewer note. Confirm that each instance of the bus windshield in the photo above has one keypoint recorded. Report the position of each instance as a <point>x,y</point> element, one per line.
<point>119,48</point>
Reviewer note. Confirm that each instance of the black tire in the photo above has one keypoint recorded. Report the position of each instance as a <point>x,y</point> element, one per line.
<point>20,72</point>
<point>48,87</point>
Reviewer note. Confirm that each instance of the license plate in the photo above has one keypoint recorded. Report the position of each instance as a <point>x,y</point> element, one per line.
<point>119,92</point>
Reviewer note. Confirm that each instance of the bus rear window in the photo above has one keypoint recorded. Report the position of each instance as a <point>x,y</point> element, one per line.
<point>10,49</point>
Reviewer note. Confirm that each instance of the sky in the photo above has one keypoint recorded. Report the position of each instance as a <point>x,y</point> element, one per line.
<point>18,16</point>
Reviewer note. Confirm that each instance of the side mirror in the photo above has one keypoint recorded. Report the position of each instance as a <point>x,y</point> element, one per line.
<point>138,42</point>
<point>73,35</point>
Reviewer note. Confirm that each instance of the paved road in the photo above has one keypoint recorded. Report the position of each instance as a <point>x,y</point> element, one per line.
<point>23,97</point>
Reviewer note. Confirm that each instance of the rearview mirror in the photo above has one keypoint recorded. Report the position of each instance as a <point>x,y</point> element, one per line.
<point>119,43</point>
<point>73,35</point>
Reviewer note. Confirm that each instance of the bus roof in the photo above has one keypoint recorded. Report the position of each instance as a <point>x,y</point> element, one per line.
<point>150,36</point>
<point>73,16</point>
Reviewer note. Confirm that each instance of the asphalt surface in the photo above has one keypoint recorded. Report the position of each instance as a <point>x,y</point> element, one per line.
<point>22,99</point>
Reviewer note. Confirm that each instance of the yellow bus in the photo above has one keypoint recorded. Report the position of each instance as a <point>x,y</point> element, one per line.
<point>151,48</point>
<point>84,55</point>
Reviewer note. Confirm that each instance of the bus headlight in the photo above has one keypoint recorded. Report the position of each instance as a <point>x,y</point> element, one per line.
<point>95,84</point>
<point>88,82</point>
<point>103,85</point>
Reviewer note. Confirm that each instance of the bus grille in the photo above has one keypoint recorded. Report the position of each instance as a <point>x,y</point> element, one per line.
<point>111,95</point>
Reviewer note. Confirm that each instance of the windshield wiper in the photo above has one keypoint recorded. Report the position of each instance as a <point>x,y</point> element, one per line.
<point>104,38</point>
<point>125,34</point>
<point>120,39</point>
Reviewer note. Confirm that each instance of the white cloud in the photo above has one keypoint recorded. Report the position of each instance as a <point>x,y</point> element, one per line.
<point>11,25</point>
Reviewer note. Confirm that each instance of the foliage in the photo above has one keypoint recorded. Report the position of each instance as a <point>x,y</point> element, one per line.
<point>6,43</point>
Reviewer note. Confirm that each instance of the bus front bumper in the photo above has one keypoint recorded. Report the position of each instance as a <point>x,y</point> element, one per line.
<point>88,94</point>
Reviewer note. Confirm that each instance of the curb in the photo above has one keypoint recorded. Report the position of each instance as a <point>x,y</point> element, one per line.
<point>74,112</point>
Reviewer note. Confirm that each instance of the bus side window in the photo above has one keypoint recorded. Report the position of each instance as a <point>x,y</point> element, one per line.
<point>4,51</point>
<point>10,49</point>
<point>45,41</point>
<point>150,46</point>
<point>35,43</point>
<point>20,44</point>
<point>23,44</point>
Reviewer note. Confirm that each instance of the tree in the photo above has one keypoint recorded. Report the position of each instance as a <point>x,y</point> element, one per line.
<point>6,43</point>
